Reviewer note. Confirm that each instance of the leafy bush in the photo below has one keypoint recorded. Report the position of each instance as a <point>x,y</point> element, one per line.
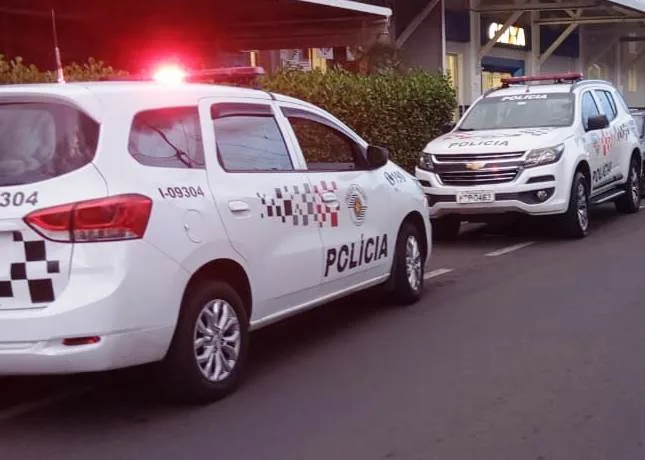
<point>399,111</point>
<point>16,71</point>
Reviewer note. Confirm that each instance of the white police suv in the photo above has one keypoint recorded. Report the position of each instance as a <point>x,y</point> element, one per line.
<point>535,149</point>
<point>147,222</point>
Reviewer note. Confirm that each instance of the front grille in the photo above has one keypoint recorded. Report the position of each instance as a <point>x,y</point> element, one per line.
<point>494,168</point>
<point>477,157</point>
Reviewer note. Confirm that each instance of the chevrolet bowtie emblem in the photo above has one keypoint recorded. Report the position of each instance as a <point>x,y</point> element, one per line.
<point>475,166</point>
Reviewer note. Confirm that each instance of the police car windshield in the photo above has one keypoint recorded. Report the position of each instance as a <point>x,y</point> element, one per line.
<point>42,140</point>
<point>529,110</point>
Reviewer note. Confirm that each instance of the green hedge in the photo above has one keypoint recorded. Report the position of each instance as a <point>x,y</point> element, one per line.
<point>17,71</point>
<point>399,111</point>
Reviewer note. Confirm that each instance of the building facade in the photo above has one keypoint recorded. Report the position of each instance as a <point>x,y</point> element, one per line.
<point>483,41</point>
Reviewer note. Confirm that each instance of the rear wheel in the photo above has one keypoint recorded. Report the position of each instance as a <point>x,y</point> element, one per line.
<point>209,348</point>
<point>575,222</point>
<point>630,201</point>
<point>446,228</point>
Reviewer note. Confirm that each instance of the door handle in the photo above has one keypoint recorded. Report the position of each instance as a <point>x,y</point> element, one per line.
<point>329,197</point>
<point>238,206</point>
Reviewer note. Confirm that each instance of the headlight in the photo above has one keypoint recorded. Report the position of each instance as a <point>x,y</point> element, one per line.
<point>425,162</point>
<point>540,157</point>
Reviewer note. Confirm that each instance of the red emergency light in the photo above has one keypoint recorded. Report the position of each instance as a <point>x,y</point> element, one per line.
<point>172,74</point>
<point>555,77</point>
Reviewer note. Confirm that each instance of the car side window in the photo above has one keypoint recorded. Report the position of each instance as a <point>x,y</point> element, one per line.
<point>323,146</point>
<point>589,108</point>
<point>608,104</point>
<point>248,138</point>
<point>167,138</point>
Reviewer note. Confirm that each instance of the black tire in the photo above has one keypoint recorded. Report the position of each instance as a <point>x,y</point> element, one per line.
<point>407,287</point>
<point>630,201</point>
<point>445,229</point>
<point>570,224</point>
<point>180,374</point>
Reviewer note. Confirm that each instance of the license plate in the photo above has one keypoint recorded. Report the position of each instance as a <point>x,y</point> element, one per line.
<point>475,197</point>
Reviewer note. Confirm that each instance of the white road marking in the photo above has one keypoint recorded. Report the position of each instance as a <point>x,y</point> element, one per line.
<point>30,406</point>
<point>642,206</point>
<point>437,272</point>
<point>506,250</point>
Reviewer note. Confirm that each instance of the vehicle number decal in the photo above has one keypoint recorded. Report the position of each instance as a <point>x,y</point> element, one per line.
<point>395,177</point>
<point>180,192</point>
<point>18,199</point>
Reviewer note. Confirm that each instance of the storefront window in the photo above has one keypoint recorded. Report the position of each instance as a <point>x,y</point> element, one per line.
<point>452,67</point>
<point>597,72</point>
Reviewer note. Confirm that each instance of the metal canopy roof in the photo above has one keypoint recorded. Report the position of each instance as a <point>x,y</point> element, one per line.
<point>105,28</point>
<point>570,12</point>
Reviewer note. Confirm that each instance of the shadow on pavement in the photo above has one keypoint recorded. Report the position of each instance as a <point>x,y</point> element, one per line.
<point>517,229</point>
<point>131,396</point>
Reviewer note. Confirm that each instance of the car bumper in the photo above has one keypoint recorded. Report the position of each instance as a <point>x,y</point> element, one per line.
<point>519,196</point>
<point>119,299</point>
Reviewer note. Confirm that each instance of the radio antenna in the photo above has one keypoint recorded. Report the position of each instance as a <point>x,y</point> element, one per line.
<point>59,63</point>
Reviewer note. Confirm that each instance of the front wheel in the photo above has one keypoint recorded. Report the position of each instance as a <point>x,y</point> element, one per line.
<point>408,268</point>
<point>575,222</point>
<point>208,351</point>
<point>630,201</point>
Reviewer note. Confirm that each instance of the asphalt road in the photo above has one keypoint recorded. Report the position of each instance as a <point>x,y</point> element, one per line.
<point>524,347</point>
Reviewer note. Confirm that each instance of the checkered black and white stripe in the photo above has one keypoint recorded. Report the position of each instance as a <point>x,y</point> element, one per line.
<point>31,273</point>
<point>300,205</point>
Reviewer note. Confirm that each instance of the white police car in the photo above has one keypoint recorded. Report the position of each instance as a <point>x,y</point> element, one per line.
<point>143,222</point>
<point>544,149</point>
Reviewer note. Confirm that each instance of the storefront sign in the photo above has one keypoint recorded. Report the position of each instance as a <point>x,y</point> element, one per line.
<point>512,36</point>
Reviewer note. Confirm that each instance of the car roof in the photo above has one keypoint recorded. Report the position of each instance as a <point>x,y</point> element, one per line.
<point>127,88</point>
<point>87,94</point>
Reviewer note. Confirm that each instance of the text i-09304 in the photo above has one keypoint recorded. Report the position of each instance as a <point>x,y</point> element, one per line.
<point>180,192</point>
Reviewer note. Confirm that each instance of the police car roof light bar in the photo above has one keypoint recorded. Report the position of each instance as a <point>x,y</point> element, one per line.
<point>218,75</point>
<point>227,73</point>
<point>556,78</point>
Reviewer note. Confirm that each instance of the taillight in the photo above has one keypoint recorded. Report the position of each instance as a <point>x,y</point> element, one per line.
<point>121,217</point>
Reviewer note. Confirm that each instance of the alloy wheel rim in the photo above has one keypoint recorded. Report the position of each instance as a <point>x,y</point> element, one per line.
<point>635,185</point>
<point>413,262</point>
<point>582,207</point>
<point>217,340</point>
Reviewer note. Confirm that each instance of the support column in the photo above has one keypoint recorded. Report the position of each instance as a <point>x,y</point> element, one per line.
<point>618,65</point>
<point>582,50</point>
<point>442,7</point>
<point>534,55</point>
<point>473,69</point>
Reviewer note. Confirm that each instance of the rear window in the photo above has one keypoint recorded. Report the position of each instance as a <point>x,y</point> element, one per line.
<point>167,138</point>
<point>43,140</point>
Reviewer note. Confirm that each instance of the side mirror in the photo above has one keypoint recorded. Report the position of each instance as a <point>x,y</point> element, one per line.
<point>377,156</point>
<point>597,122</point>
<point>446,128</point>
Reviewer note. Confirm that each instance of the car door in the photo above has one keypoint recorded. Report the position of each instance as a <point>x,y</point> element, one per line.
<point>357,233</point>
<point>615,135</point>
<point>595,143</point>
<point>260,192</point>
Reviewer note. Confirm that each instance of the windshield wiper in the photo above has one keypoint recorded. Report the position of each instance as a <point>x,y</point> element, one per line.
<point>466,129</point>
<point>179,154</point>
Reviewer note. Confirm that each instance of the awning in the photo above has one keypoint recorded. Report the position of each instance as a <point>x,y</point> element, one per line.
<point>103,28</point>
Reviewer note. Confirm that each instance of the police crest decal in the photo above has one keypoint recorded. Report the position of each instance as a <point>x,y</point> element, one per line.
<point>356,202</point>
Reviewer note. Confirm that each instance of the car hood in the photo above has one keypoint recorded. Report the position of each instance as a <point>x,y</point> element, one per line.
<point>497,140</point>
